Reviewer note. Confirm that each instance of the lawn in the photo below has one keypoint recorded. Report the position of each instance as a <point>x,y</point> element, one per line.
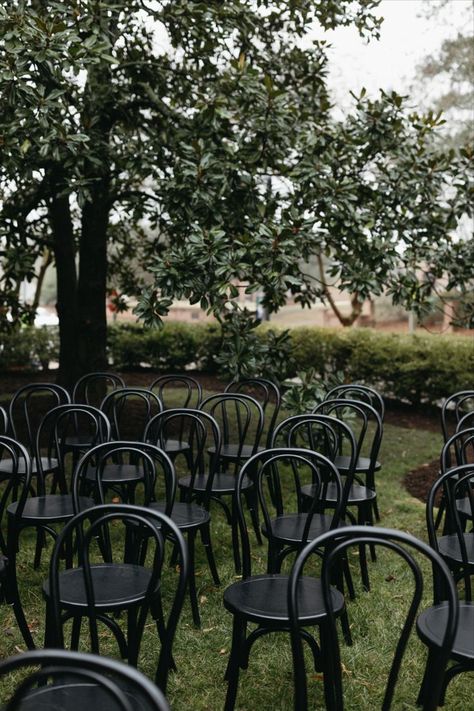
<point>201,654</point>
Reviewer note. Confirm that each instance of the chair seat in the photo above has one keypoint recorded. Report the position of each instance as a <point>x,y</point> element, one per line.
<point>176,445</point>
<point>290,527</point>
<point>464,506</point>
<point>77,696</point>
<point>78,441</point>
<point>263,599</point>
<point>235,452</point>
<point>47,465</point>
<point>357,493</point>
<point>431,625</point>
<point>223,483</point>
<point>184,515</point>
<point>115,585</point>
<point>343,462</point>
<point>117,473</point>
<point>50,507</point>
<point>449,547</point>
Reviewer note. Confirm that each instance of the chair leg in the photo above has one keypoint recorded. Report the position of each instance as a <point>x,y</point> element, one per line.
<point>364,571</point>
<point>331,673</point>
<point>40,541</point>
<point>233,666</point>
<point>206,541</point>
<point>132,636</point>
<point>76,631</point>
<point>252,503</point>
<point>192,580</point>
<point>235,539</point>
<point>12,596</point>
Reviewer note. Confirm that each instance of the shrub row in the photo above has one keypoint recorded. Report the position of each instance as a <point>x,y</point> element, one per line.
<point>414,368</point>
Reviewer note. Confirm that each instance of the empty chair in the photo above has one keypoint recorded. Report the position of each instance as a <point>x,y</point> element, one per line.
<point>178,391</point>
<point>129,410</point>
<point>39,509</point>
<point>61,680</point>
<point>262,599</point>
<point>267,393</point>
<point>453,409</point>
<point>26,410</point>
<point>455,544</point>
<point>191,514</point>
<point>367,426</point>
<point>440,620</point>
<point>97,588</point>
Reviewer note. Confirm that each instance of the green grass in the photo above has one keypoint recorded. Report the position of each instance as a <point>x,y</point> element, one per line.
<point>201,654</point>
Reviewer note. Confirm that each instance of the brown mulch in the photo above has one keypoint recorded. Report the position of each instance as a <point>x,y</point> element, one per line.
<point>419,481</point>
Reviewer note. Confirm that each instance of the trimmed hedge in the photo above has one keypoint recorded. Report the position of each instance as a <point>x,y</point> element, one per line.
<point>413,368</point>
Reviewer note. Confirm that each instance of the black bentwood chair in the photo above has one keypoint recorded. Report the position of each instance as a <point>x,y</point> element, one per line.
<point>73,681</point>
<point>178,391</point>
<point>443,615</point>
<point>262,599</point>
<point>27,408</point>
<point>191,514</point>
<point>43,510</point>
<point>98,589</point>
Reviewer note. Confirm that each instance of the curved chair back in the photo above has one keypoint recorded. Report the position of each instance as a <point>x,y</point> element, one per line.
<point>458,449</point>
<point>466,422</point>
<point>266,392</point>
<point>82,536</point>
<point>18,479</point>
<point>177,391</point>
<point>320,433</point>
<point>355,391</point>
<point>91,388</point>
<point>197,428</point>
<point>335,543</point>
<point>55,428</point>
<point>129,409</point>
<point>456,405</point>
<point>62,678</point>
<point>240,420</point>
<point>28,407</point>
<point>455,487</point>
<point>155,466</point>
<point>267,472</point>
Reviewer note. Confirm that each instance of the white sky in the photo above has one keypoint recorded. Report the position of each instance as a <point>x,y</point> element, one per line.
<point>407,36</point>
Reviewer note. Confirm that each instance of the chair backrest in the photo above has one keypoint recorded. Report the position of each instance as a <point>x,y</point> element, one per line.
<point>91,388</point>
<point>177,391</point>
<point>55,671</point>
<point>240,419</point>
<point>3,421</point>
<point>57,426</point>
<point>18,478</point>
<point>29,405</point>
<point>266,392</point>
<point>320,433</point>
<point>466,422</point>
<point>335,543</point>
<point>458,449</point>
<point>267,468</point>
<point>82,536</point>
<point>356,391</point>
<point>453,486</point>
<point>366,424</point>
<point>156,467</point>
<point>455,407</point>
<point>129,409</point>
<point>197,428</point>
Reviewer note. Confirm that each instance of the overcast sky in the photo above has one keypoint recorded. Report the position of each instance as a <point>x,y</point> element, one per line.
<point>407,37</point>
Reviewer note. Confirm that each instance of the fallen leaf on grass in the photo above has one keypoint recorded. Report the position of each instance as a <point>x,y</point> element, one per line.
<point>223,650</point>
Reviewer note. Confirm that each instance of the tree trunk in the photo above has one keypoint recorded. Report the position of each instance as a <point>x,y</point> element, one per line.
<point>64,253</point>
<point>356,305</point>
<point>92,321</point>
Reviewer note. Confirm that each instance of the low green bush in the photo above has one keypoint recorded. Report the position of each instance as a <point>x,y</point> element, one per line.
<point>414,368</point>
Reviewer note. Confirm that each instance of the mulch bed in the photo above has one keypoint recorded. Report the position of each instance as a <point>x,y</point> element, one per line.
<point>419,481</point>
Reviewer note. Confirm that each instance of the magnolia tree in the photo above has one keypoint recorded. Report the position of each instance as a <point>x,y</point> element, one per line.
<point>196,141</point>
